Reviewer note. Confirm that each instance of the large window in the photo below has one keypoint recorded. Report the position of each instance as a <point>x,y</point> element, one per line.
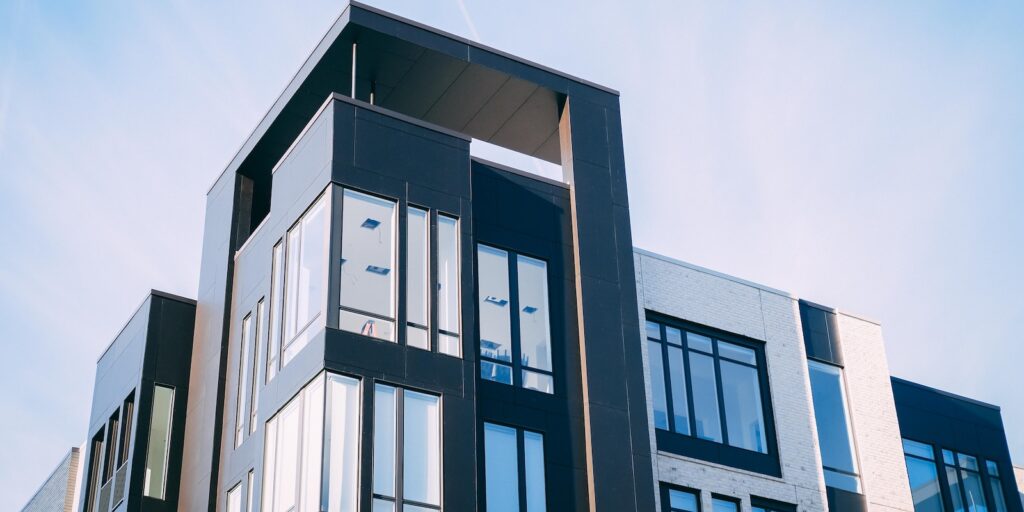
<point>159,443</point>
<point>514,470</point>
<point>406,450</point>
<point>835,435</point>
<point>708,388</point>
<point>449,312</point>
<point>924,477</point>
<point>996,485</point>
<point>304,277</point>
<point>417,277</point>
<point>368,254</point>
<point>305,470</point>
<point>244,344</point>
<point>964,478</point>
<point>514,348</point>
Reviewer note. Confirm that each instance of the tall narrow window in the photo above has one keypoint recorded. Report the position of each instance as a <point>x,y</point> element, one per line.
<point>924,477</point>
<point>417,278</point>
<point>996,485</point>
<point>524,359</point>
<point>243,377</point>
<point>305,277</point>
<point>448,297</point>
<point>509,485</point>
<point>159,443</point>
<point>234,501</point>
<point>254,389</point>
<point>92,481</point>
<point>110,457</point>
<point>276,301</point>
<point>534,324</point>
<point>708,388</point>
<point>127,423</point>
<point>250,484</point>
<point>407,450</point>
<point>835,436</point>
<point>495,315</point>
<point>368,266</point>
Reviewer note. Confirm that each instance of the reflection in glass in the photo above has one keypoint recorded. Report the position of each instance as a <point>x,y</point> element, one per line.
<point>155,481</point>
<point>495,319</point>
<point>659,398</point>
<point>342,444</point>
<point>719,505</point>
<point>501,468</point>
<point>305,276</point>
<point>448,286</point>
<point>496,372</point>
<point>368,263</point>
<point>954,489</point>
<point>235,499</point>
<point>924,485</point>
<point>384,440</point>
<point>682,501</point>
<point>538,381</point>
<point>422,449</point>
<point>533,448</point>
<point>744,417</point>
<point>534,324</point>
<point>677,378</point>
<point>835,437</point>
<point>417,291</point>
<point>973,491</point>
<point>705,397</point>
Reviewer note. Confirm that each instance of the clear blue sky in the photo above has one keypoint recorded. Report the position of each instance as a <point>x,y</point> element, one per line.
<point>866,155</point>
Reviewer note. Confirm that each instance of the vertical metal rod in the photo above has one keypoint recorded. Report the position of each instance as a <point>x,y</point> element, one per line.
<point>354,48</point>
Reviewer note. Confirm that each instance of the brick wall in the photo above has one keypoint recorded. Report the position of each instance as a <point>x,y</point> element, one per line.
<point>709,298</point>
<point>58,492</point>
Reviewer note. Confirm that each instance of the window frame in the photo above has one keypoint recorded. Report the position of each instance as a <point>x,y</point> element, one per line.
<point>850,430</point>
<point>521,467</point>
<point>246,341</point>
<point>302,332</point>
<point>959,468</point>
<point>736,502</point>
<point>515,332</point>
<point>254,386</point>
<point>127,426</point>
<point>398,449</point>
<point>935,461</point>
<point>770,505</point>
<point>397,270</point>
<point>665,490</point>
<point>689,445</point>
<point>166,453</point>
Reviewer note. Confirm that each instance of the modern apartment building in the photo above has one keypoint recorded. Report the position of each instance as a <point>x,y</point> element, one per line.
<point>387,323</point>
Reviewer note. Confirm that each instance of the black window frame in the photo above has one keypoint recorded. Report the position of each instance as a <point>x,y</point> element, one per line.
<point>738,503</point>
<point>983,476</point>
<point>94,472</point>
<point>689,445</point>
<point>126,427</point>
<point>514,328</point>
<point>770,505</point>
<point>520,462</point>
<point>399,500</point>
<point>664,491</point>
<point>110,447</point>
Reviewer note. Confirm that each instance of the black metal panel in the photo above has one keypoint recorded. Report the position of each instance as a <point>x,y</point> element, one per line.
<point>953,422</point>
<point>845,501</point>
<point>821,333</point>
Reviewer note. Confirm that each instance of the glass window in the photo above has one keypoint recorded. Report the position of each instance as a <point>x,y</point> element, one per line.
<point>448,308</point>
<point>996,484</point>
<point>683,501</point>
<point>766,505</point>
<point>964,479</point>
<point>417,292</point>
<point>92,485</point>
<point>254,393</point>
<point>744,416</point>
<point>414,443</point>
<point>250,484</point>
<point>305,277</point>
<point>159,442</point>
<point>494,310</point>
<point>835,437</point>
<point>110,457</point>
<point>658,385</point>
<point>304,470</point>
<point>243,376</point>
<point>368,265</point>
<point>714,387</point>
<point>276,300</point>
<point>705,397</point>
<point>924,477</point>
<point>127,422</point>
<point>504,447</point>
<point>724,505</point>
<point>235,499</point>
<point>529,353</point>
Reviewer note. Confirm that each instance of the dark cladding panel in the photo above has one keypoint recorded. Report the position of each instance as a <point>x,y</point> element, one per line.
<point>821,333</point>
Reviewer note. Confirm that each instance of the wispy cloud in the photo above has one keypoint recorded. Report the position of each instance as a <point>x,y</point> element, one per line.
<point>469,20</point>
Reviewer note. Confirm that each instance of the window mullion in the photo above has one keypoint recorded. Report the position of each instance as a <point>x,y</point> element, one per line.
<point>692,419</point>
<point>402,283</point>
<point>433,260</point>
<point>513,293</point>
<point>667,374</point>
<point>399,447</point>
<point>521,467</point>
<point>721,399</point>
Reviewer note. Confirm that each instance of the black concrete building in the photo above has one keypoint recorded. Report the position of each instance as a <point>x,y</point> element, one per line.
<point>956,451</point>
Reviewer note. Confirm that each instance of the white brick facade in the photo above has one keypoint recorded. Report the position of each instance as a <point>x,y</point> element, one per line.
<point>697,295</point>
